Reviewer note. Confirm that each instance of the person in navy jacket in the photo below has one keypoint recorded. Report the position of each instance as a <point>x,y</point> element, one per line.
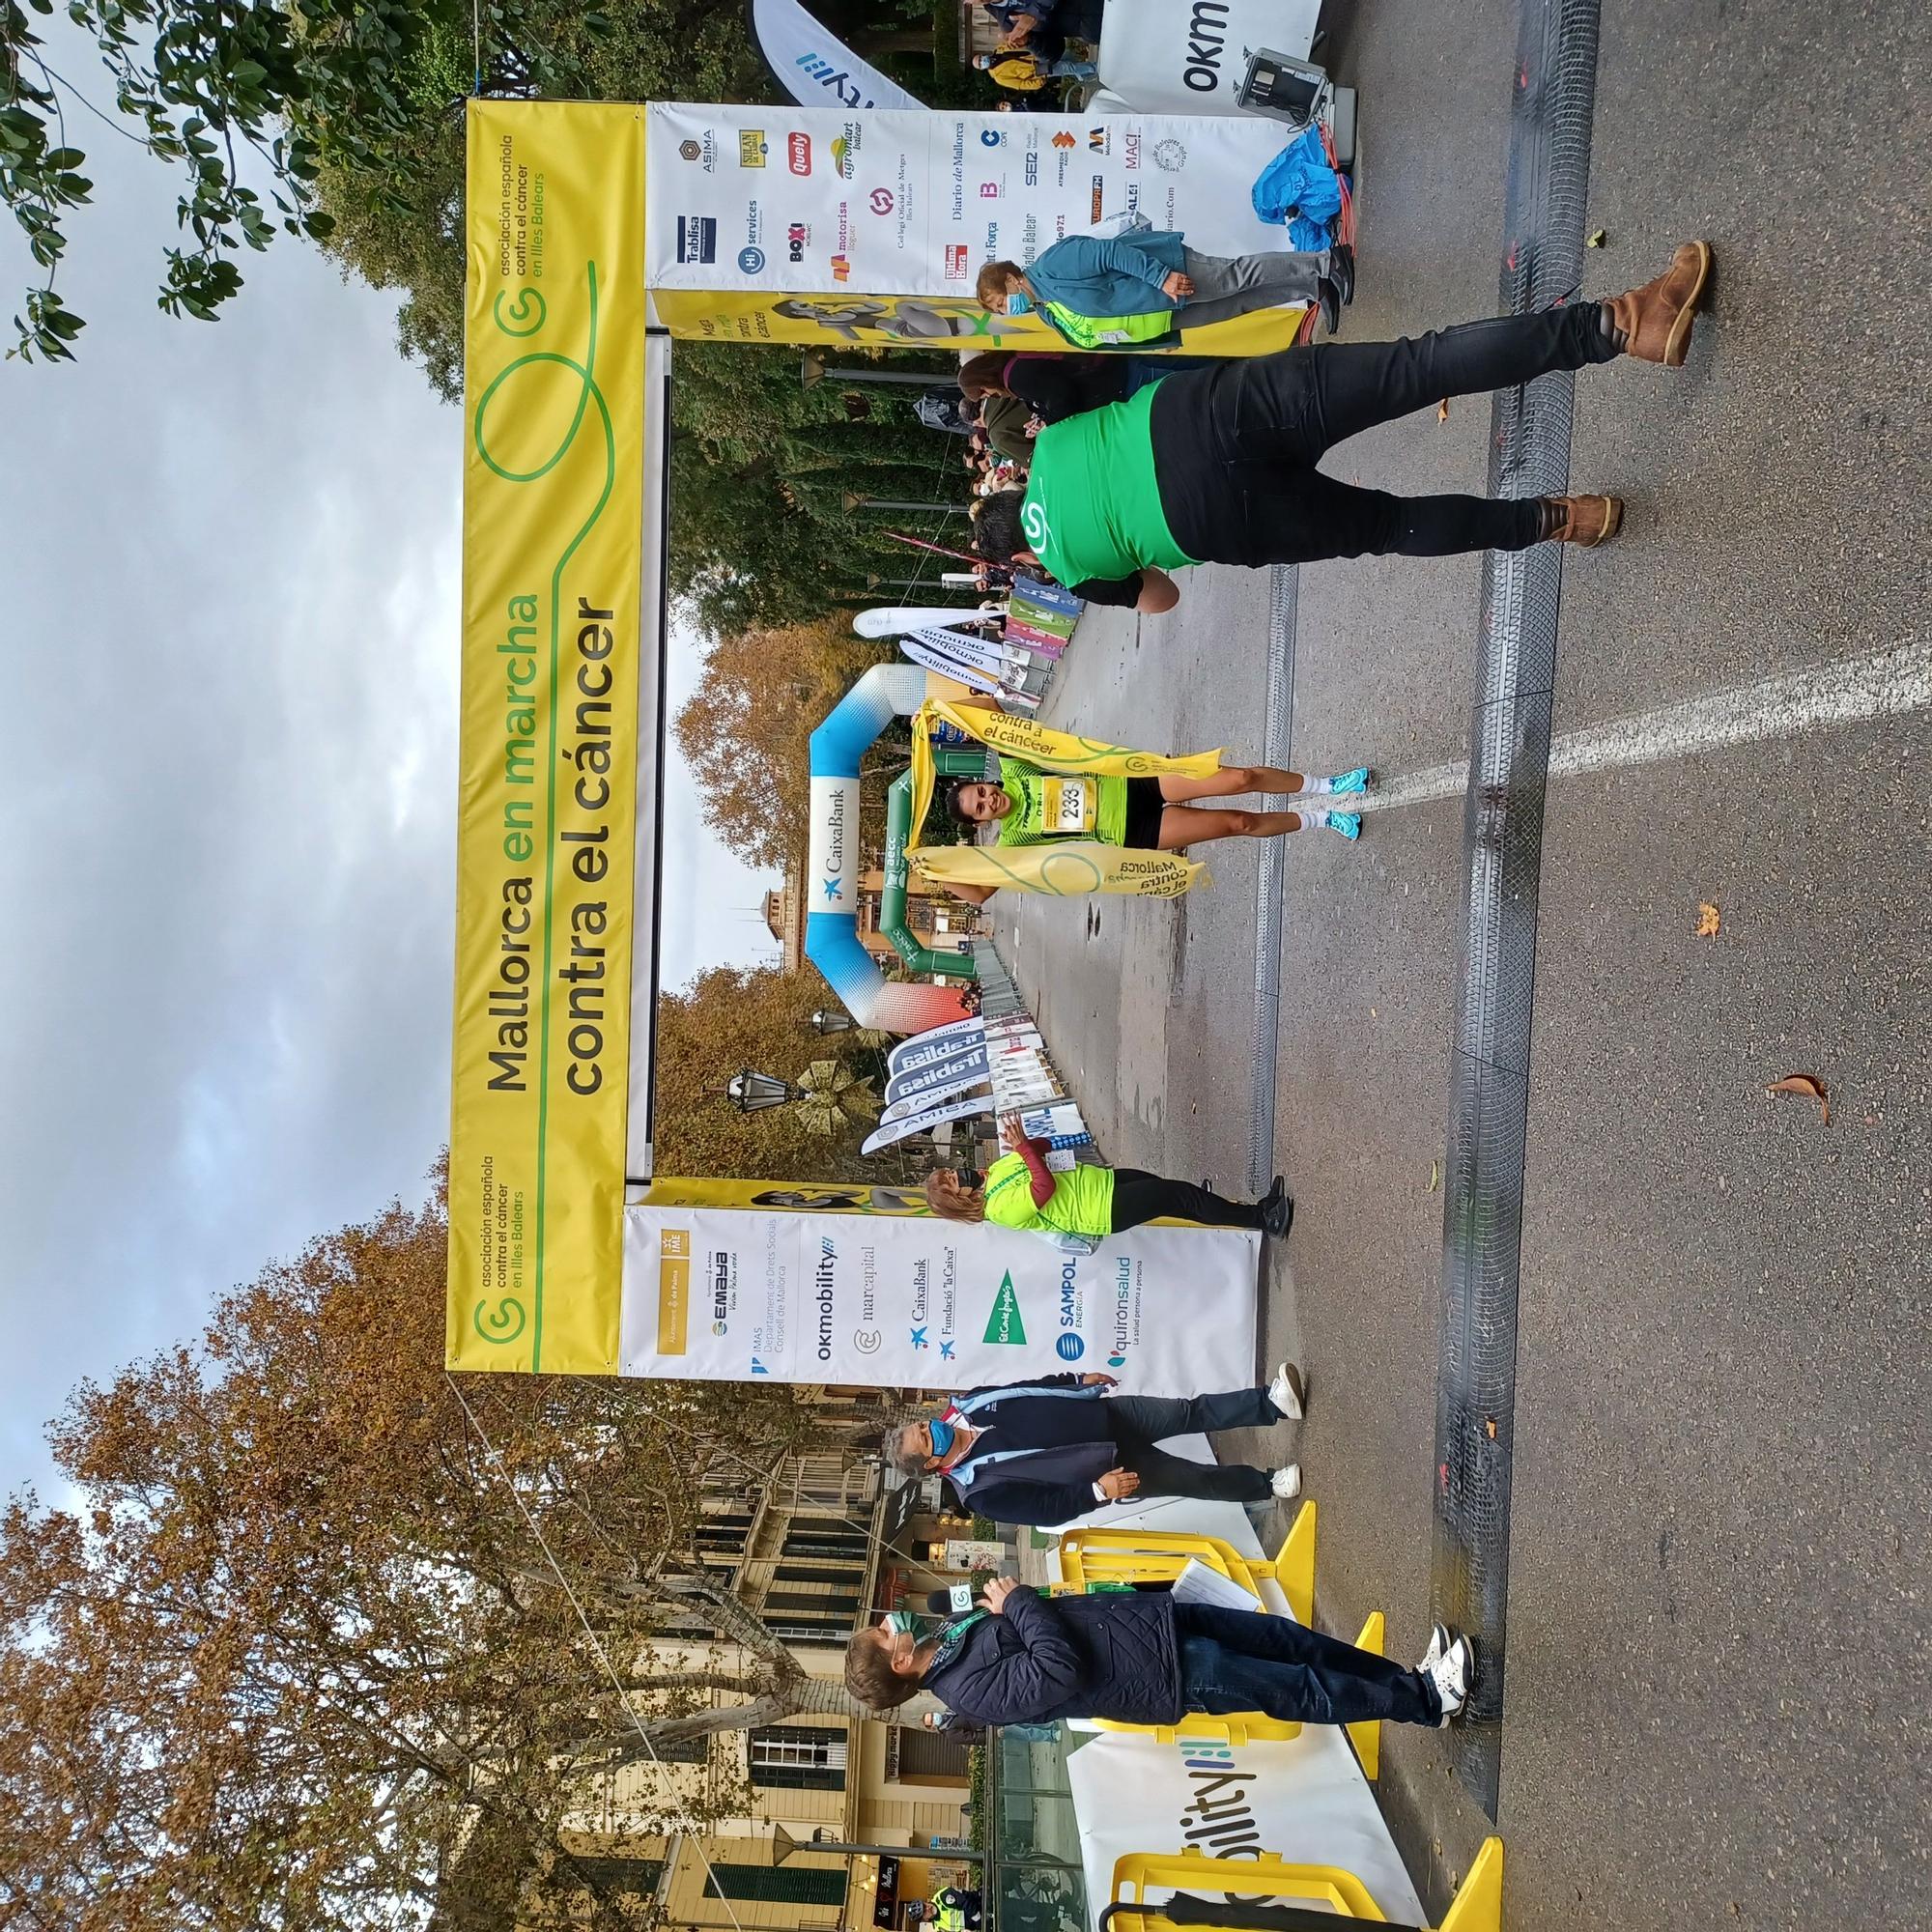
<point>1048,1451</point>
<point>1139,1658</point>
<point>1151,269</point>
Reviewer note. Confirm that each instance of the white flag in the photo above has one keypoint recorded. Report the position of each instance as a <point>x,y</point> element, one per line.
<point>815,66</point>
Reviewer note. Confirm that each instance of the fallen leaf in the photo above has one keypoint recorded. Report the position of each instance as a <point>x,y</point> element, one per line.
<point>1489,1427</point>
<point>1442,411</point>
<point>1435,1176</point>
<point>1596,238</point>
<point>1807,1084</point>
<point>1708,920</point>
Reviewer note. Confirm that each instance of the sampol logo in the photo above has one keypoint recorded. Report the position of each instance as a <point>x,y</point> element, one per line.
<point>880,201</point>
<point>957,260</point>
<point>1069,1348</point>
<point>798,153</point>
<point>751,149</point>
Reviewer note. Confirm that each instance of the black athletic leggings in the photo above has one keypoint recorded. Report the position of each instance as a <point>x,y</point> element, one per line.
<point>1139,1196</point>
<point>1235,448</point>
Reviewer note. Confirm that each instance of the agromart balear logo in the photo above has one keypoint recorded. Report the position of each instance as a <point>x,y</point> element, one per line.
<point>1004,1323</point>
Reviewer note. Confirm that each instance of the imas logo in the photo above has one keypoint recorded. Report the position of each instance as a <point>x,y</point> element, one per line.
<point>1005,1325</point>
<point>1069,1348</point>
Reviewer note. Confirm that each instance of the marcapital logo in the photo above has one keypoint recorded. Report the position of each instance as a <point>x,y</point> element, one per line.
<point>797,154</point>
<point>1004,1323</point>
<point>880,201</point>
<point>866,1341</point>
<point>1069,1348</point>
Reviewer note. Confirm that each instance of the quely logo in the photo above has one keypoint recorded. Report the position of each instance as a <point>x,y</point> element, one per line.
<point>797,154</point>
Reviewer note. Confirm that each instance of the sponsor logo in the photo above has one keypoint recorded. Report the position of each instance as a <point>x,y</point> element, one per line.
<point>991,137</point>
<point>797,154</point>
<point>1069,1348</point>
<point>866,1341</point>
<point>1099,140</point>
<point>797,235</point>
<point>1170,155</point>
<point>841,268</point>
<point>824,1295</point>
<point>1065,141</point>
<point>1032,171</point>
<point>690,149</point>
<point>832,888</point>
<point>696,238</point>
<point>1130,150</point>
<point>839,80</point>
<point>1096,202</point>
<point>846,151</point>
<point>1117,1362</point>
<point>992,190</point>
<point>720,1327</point>
<point>751,146</point>
<point>705,150</point>
<point>956,261</point>
<point>1033,520</point>
<point>759,1368</point>
<point>880,201</point>
<point>751,260</point>
<point>1005,1325</point>
<point>919,1338</point>
<point>1206,41</point>
<point>946,1351</point>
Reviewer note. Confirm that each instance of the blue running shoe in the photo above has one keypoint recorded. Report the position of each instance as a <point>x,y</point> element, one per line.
<point>1359,779</point>
<point>1348,823</point>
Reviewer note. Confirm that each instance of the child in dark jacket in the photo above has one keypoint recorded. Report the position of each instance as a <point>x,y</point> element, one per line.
<point>1140,1658</point>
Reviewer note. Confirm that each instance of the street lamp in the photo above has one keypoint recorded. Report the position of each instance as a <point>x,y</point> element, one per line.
<point>812,370</point>
<point>831,1019</point>
<point>783,1845</point>
<point>752,1093</point>
<point>853,501</point>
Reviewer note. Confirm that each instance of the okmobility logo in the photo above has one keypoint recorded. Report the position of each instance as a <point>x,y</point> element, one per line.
<point>825,1275</point>
<point>1217,1816</point>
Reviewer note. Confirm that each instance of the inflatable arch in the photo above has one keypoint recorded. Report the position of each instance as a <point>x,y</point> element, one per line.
<point>832,867</point>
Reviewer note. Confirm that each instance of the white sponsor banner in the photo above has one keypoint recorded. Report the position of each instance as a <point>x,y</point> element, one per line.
<point>832,862</point>
<point>816,68</point>
<point>893,203</point>
<point>730,1293</point>
<point>967,1065</point>
<point>892,1132</point>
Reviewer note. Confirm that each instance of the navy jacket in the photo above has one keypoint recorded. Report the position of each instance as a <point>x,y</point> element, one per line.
<point>1108,1655</point>
<point>1065,1447</point>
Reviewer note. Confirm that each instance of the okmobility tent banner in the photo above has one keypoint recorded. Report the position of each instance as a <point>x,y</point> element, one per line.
<point>816,68</point>
<point>869,226</point>
<point>558,1261</point>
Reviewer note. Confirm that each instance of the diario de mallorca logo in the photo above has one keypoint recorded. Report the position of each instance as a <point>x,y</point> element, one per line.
<point>1004,1323</point>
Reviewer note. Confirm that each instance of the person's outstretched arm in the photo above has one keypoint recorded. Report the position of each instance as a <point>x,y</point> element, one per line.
<point>1014,1139</point>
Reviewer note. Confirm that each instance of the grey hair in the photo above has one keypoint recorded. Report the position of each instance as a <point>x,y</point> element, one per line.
<point>908,1461</point>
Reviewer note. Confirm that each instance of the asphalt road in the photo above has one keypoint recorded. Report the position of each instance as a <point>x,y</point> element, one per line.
<point>1721,1655</point>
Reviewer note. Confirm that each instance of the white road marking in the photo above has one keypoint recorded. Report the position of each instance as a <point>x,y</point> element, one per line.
<point>1884,685</point>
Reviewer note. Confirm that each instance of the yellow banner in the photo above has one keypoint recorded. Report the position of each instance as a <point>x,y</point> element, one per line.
<point>929,321</point>
<point>553,400</point>
<point>801,1197</point>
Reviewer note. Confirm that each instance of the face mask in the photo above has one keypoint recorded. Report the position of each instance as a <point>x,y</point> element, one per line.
<point>901,1623</point>
<point>943,1433</point>
<point>1018,301</point>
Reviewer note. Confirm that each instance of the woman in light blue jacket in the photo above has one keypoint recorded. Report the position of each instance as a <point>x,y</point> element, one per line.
<point>1152,272</point>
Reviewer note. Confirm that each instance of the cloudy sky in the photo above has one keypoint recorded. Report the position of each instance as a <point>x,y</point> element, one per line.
<point>229,557</point>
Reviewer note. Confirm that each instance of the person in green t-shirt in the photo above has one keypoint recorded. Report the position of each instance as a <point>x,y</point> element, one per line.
<point>1221,466</point>
<point>1035,808</point>
<point>1021,1191</point>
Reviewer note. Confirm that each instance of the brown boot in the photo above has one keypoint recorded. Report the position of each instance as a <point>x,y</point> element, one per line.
<point>1586,521</point>
<point>1654,321</point>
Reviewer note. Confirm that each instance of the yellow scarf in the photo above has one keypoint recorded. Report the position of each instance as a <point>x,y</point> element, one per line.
<point>1062,867</point>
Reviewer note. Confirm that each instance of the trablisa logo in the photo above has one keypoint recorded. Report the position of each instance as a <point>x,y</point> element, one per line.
<point>696,238</point>
<point>956,261</point>
<point>797,154</point>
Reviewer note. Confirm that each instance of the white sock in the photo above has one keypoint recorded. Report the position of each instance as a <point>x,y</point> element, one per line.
<point>1312,817</point>
<point>1314,787</point>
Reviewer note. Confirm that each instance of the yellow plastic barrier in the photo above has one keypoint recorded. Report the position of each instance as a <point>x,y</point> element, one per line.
<point>1477,1907</point>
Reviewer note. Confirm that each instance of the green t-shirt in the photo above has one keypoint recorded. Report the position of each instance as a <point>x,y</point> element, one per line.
<point>1082,1203</point>
<point>1047,805</point>
<point>1092,504</point>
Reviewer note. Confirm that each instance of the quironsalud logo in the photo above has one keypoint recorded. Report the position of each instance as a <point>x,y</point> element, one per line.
<point>1004,1322</point>
<point>1069,1348</point>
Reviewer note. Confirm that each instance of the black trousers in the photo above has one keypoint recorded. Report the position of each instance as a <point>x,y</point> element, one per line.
<point>1140,1196</point>
<point>1235,1660</point>
<point>1235,448</point>
<point>1142,1422</point>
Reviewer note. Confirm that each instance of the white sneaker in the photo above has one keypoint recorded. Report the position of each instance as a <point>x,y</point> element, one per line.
<point>1438,1642</point>
<point>1286,1483</point>
<point>1286,1392</point>
<point>1452,1675</point>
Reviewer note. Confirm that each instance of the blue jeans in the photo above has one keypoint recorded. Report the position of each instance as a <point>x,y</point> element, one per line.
<point>1236,1661</point>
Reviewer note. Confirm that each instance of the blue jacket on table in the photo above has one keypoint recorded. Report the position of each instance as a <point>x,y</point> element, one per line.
<point>1109,1655</point>
<point>1054,1449</point>
<point>1105,278</point>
